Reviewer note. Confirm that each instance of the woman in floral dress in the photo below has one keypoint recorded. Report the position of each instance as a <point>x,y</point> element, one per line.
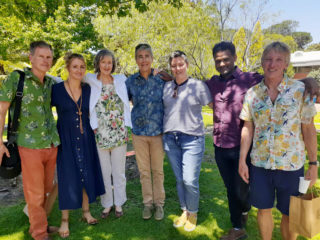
<point>109,117</point>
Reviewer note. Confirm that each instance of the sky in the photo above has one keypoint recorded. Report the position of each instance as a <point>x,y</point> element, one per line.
<point>306,12</point>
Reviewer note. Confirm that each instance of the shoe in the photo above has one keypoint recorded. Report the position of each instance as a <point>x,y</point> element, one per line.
<point>147,212</point>
<point>191,223</point>
<point>52,229</point>
<point>234,234</point>
<point>159,214</point>
<point>179,222</point>
<point>64,228</point>
<point>104,214</point>
<point>118,213</point>
<point>89,221</point>
<point>244,219</point>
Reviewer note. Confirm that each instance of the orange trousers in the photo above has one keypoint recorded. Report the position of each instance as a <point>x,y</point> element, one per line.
<point>38,166</point>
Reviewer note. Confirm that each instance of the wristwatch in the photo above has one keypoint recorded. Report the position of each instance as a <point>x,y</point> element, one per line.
<point>314,163</point>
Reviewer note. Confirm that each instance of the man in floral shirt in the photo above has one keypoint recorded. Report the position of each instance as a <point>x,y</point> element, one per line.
<point>37,133</point>
<point>280,122</point>
<point>145,91</point>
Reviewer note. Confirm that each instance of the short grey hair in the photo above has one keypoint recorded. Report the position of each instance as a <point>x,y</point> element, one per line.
<point>143,46</point>
<point>39,44</point>
<point>279,47</point>
<point>100,55</point>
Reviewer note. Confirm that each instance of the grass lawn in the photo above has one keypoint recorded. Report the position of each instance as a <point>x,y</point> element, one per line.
<point>213,216</point>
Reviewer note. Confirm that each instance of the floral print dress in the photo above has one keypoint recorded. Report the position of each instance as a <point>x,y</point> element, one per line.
<point>111,130</point>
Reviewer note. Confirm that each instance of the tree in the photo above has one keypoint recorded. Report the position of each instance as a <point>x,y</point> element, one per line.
<point>315,74</point>
<point>249,51</point>
<point>166,29</point>
<point>224,9</point>
<point>313,47</point>
<point>302,39</point>
<point>67,24</point>
<point>285,28</point>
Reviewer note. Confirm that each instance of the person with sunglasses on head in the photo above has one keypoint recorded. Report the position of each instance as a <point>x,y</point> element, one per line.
<point>183,136</point>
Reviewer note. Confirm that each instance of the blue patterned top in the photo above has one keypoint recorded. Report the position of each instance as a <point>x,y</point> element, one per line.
<point>146,97</point>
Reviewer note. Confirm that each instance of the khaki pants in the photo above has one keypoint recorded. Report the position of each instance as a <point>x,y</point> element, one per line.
<point>38,167</point>
<point>149,155</point>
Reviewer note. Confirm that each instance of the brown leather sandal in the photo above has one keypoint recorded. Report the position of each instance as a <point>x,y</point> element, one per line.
<point>105,214</point>
<point>92,221</point>
<point>64,234</point>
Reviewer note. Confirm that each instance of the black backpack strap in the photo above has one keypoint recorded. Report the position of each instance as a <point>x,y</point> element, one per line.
<point>13,126</point>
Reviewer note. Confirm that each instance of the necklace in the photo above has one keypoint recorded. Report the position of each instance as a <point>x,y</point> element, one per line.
<point>79,107</point>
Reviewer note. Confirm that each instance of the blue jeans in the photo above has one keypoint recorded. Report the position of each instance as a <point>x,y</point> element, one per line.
<point>185,153</point>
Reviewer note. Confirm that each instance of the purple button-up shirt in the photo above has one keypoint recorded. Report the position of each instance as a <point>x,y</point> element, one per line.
<point>228,95</point>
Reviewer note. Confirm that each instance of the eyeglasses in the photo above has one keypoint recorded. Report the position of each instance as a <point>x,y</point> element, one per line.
<point>175,91</point>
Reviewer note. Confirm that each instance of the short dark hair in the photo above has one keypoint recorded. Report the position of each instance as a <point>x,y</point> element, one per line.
<point>142,46</point>
<point>224,46</point>
<point>100,55</point>
<point>176,54</point>
<point>39,44</point>
<point>70,56</point>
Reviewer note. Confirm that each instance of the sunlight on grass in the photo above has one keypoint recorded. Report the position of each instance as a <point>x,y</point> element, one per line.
<point>14,236</point>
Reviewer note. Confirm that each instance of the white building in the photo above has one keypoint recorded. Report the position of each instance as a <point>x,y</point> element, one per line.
<point>305,62</point>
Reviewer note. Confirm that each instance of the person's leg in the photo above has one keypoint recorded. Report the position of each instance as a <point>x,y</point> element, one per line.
<point>157,156</point>
<point>142,149</point>
<point>262,196</point>
<point>227,164</point>
<point>64,226</point>
<point>287,184</point>
<point>265,222</point>
<point>51,188</point>
<point>87,217</point>
<point>174,153</point>
<point>51,199</point>
<point>284,226</point>
<point>105,163</point>
<point>118,164</point>
<point>33,173</point>
<point>192,154</point>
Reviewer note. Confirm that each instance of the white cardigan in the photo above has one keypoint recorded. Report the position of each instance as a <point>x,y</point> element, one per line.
<point>96,87</point>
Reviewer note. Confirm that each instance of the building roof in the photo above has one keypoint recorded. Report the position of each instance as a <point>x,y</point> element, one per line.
<point>305,59</point>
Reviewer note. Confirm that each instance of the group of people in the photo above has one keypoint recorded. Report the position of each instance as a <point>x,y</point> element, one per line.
<point>266,115</point>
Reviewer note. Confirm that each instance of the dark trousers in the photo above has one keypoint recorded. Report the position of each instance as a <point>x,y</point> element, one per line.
<point>237,190</point>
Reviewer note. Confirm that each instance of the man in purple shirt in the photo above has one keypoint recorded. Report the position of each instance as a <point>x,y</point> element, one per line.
<point>228,92</point>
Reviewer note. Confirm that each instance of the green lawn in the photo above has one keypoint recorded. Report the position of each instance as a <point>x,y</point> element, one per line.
<point>213,217</point>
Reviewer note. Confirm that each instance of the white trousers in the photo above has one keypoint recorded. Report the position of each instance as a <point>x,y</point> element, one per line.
<point>113,163</point>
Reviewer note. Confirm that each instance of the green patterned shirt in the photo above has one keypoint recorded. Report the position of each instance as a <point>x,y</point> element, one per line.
<point>37,128</point>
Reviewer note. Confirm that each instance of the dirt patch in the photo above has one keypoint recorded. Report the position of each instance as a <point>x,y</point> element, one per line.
<point>11,191</point>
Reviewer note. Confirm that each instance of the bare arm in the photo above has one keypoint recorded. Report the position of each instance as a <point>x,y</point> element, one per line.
<point>246,140</point>
<point>310,140</point>
<point>311,87</point>
<point>4,106</point>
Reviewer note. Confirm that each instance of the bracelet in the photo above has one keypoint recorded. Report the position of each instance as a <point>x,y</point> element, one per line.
<point>314,163</point>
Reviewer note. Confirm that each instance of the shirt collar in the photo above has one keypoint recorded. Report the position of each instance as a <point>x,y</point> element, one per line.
<point>150,75</point>
<point>29,75</point>
<point>235,74</point>
<point>281,87</point>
